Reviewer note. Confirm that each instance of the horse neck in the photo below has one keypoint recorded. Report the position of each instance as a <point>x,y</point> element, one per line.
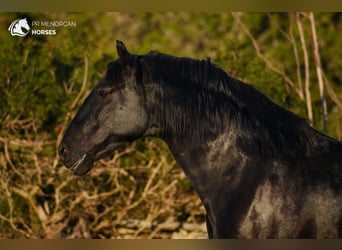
<point>180,126</point>
<point>173,120</point>
<point>186,132</point>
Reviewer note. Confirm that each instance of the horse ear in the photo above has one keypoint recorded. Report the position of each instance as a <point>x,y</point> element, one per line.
<point>122,51</point>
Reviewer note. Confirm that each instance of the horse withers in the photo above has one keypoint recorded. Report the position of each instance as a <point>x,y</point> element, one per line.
<point>260,170</point>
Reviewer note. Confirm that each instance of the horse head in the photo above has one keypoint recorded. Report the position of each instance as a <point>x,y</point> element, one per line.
<point>113,113</point>
<point>16,28</point>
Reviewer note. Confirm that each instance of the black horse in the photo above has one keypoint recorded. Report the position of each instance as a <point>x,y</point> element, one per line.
<point>260,170</point>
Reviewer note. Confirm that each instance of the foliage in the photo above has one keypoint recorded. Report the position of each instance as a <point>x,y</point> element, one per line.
<point>44,79</point>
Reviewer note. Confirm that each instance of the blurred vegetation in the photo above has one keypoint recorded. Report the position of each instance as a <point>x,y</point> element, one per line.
<point>44,79</point>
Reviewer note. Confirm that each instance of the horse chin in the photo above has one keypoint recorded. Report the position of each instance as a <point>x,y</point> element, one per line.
<point>83,169</point>
<point>83,165</point>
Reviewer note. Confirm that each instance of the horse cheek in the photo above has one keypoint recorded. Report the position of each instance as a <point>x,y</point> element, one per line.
<point>130,121</point>
<point>130,117</point>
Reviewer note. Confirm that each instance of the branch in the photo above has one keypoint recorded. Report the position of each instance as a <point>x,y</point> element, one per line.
<point>307,68</point>
<point>269,64</point>
<point>291,38</point>
<point>317,60</point>
<point>331,92</point>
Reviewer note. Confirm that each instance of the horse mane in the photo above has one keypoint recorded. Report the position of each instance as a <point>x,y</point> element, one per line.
<point>200,100</point>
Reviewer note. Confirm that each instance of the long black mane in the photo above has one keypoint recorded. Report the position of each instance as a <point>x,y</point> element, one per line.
<point>206,101</point>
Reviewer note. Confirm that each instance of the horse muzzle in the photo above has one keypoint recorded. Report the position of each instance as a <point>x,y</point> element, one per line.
<point>80,166</point>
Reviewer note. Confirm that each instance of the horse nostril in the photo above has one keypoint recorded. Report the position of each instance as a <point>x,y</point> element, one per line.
<point>62,151</point>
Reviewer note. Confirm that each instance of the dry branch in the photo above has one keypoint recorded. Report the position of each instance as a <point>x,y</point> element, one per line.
<point>317,59</point>
<point>259,53</point>
<point>306,68</point>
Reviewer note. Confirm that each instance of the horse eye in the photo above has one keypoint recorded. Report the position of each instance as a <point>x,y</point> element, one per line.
<point>103,93</point>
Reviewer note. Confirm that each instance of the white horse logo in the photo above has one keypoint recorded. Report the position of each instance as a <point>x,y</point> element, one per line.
<point>19,27</point>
